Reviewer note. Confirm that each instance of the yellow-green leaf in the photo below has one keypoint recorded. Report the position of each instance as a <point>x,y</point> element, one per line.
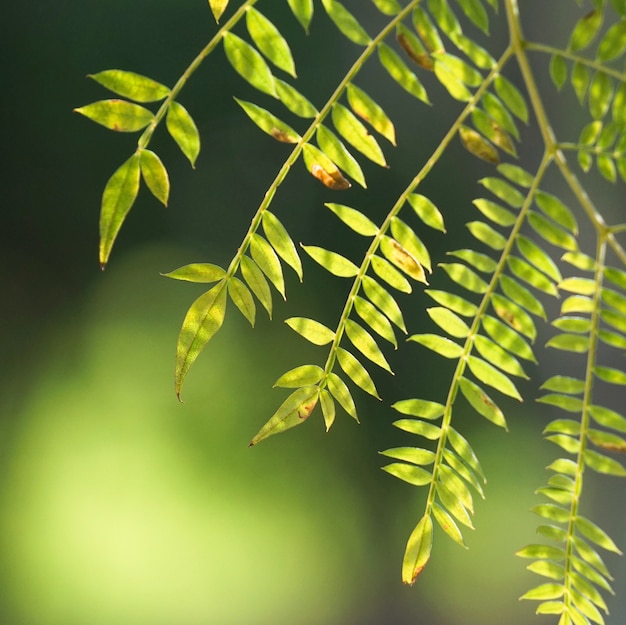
<point>366,344</point>
<point>418,550</point>
<point>118,198</point>
<point>334,148</point>
<point>356,372</point>
<point>257,282</point>
<point>489,375</point>
<point>265,257</point>
<point>354,219</point>
<point>269,123</point>
<point>269,41</point>
<point>242,298</point>
<point>346,22</point>
<point>218,7</point>
<point>356,134</point>
<point>371,112</point>
<point>303,10</point>
<point>341,393</point>
<point>118,115</point>
<point>155,175</point>
<point>197,272</point>
<point>481,402</point>
<point>183,130</point>
<point>331,261</point>
<point>131,85</point>
<point>399,71</point>
<point>427,211</point>
<point>249,64</point>
<point>305,375</point>
<point>312,331</point>
<point>402,259</point>
<point>282,243</point>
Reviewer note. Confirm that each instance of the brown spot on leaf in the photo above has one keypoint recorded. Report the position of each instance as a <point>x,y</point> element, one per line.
<point>282,136</point>
<point>333,180</point>
<point>420,58</point>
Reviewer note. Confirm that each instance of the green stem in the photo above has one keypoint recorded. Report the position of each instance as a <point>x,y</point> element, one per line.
<point>401,202</point>
<point>146,136</point>
<point>520,46</point>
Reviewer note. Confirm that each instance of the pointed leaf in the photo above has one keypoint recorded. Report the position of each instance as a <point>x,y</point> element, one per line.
<point>303,10</point>
<point>455,303</point>
<point>269,123</point>
<point>294,100</point>
<point>118,115</point>
<point>487,235</point>
<point>418,550</point>
<point>269,41</point>
<point>356,372</point>
<point>257,282</point>
<point>296,409</point>
<point>312,331</point>
<point>387,272</point>
<point>381,298</point>
<point>514,315</point>
<point>242,298</point>
<point>401,258</point>
<point>465,277</point>
<point>496,213</point>
<point>431,410</point>
<point>481,402</point>
<point>341,393</point>
<point>479,261</point>
<point>448,321</point>
<point>202,321</point>
<point>608,418</point>
<point>411,242</point>
<point>346,22</point>
<point>511,96</point>
<point>419,428</point>
<point>440,345</point>
<point>334,148</point>
<point>503,190</point>
<point>506,337</point>
<point>132,86</point>
<point>331,261</point>
<point>408,473</point>
<point>570,343</point>
<point>375,319</point>
<point>328,408</point>
<point>364,342</point>
<point>354,219</point>
<point>427,211</point>
<point>492,377</point>
<point>304,375</point>
<point>538,257</point>
<point>371,112</point>
<point>399,71</point>
<point>249,64</point>
<point>264,256</point>
<point>595,534</point>
<point>356,134</point>
<point>477,145</point>
<point>522,296</point>
<point>118,198</point>
<point>493,353</point>
<point>155,175</point>
<point>280,240</point>
<point>218,7</point>
<point>197,272</point>
<point>552,207</point>
<point>183,130</point>
<point>526,272</point>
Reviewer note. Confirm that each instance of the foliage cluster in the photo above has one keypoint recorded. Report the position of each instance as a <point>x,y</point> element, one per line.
<point>523,241</point>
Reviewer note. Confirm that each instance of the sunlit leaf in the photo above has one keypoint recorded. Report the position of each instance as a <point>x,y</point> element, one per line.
<point>487,235</point>
<point>269,41</point>
<point>400,258</point>
<point>527,273</point>
<point>506,337</point>
<point>427,211</point>
<point>381,298</point>
<point>427,30</point>
<point>516,174</point>
<point>366,344</point>
<point>183,130</point>
<point>155,175</point>
<point>303,10</point>
<point>455,303</point>
<point>341,393</point>
<point>399,71</point>
<point>412,45</point>
<point>218,7</point>
<point>465,277</point>
<point>420,408</point>
<point>405,235</point>
<point>118,115</point>
<point>503,190</point>
<point>479,261</point>
<point>131,85</point>
<point>118,198</point>
<point>610,375</point>
<point>569,343</point>
<point>202,321</point>
<point>595,534</point>
<point>496,355</point>
<point>371,112</point>
<point>452,504</point>
<point>564,384</point>
<point>514,315</point>
<point>294,100</point>
<point>512,97</point>
<point>551,206</point>
<point>418,550</point>
<point>440,345</point>
<point>489,375</point>
<point>565,402</point>
<point>585,30</point>
<point>375,319</point>
<point>448,321</point>
<point>600,95</point>
<point>311,330</point>
<point>265,257</point>
<point>356,134</point>
<point>335,149</point>
<point>481,402</point>
<point>477,145</point>
<point>538,257</point>
<point>280,240</point>
<point>304,375</point>
<point>608,418</point>
<point>545,591</point>
<point>269,123</point>
<point>613,44</point>
<point>249,64</point>
<point>408,473</point>
<point>522,296</point>
<point>296,409</point>
<point>242,298</point>
<point>256,281</point>
<point>332,262</point>
<point>496,213</point>
<point>197,272</point>
<point>346,22</point>
<point>603,464</point>
<point>328,408</point>
<point>419,428</point>
<point>356,372</point>
<point>387,272</point>
<point>414,455</point>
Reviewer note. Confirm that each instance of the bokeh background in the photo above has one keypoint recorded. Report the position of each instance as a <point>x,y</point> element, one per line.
<point>119,505</point>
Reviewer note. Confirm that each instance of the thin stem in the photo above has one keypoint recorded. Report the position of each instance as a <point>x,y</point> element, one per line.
<point>146,136</point>
<point>402,199</point>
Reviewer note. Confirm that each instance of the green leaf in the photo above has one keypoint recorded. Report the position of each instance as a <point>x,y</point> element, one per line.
<point>183,130</point>
<point>420,408</point>
<point>610,375</point>
<point>332,262</point>
<point>579,260</point>
<point>130,85</point>
<point>249,64</point>
<point>388,7</point>
<point>118,115</point>
<point>552,207</point>
<point>445,18</point>
<point>585,30</point>
<point>558,70</point>
<point>526,272</point>
<point>419,428</point>
<point>414,455</point>
<point>412,45</point>
<point>341,393</point>
<point>418,550</point>
<point>551,570</point>
<point>303,10</point>
<point>242,298</point>
<point>197,272</point>
<point>521,296</point>
<point>613,43</point>
<point>580,80</point>
<point>608,418</point>
<point>564,384</point>
<point>600,95</point>
<point>294,100</point>
<point>354,219</point>
<point>545,552</point>
<point>496,109</point>
<point>457,463</point>
<point>615,319</point>
<point>511,97</point>
<point>579,325</point>
<point>304,375</point>
<point>590,556</point>
<point>516,174</point>
<point>118,198</point>
<point>269,123</point>
<point>481,402</point>
<point>581,286</point>
<point>503,190</point>
<point>334,148</point>
<point>449,501</point>
<point>328,408</point>
<point>514,315</point>
<point>322,168</point>
<point>375,319</point>
<point>455,303</point>
<point>465,451</point>
<point>465,277</point>
<point>564,426</point>
<point>603,464</point>
<point>477,145</point>
<point>218,7</point>
<point>538,257</point>
<point>257,282</point>
<point>427,30</point>
<point>493,353</point>
<point>489,375</point>
<point>448,321</point>
<point>202,321</point>
<point>495,212</point>
<point>371,112</point>
<point>552,512</point>
<point>475,11</point>
<point>312,331</point>
<point>408,473</point>
<point>427,211</point>
<point>346,22</point>
<point>356,134</point>
<point>570,343</point>
<point>410,242</point>
<point>475,53</point>
<point>595,534</point>
<point>356,372</point>
<point>440,345</point>
<point>296,409</point>
<point>488,127</point>
<point>457,487</point>
<point>545,591</point>
<point>381,298</point>
<point>365,343</point>
<point>387,272</point>
<point>449,79</point>
<point>487,235</point>
<point>155,175</point>
<point>400,258</point>
<point>265,257</point>
<point>280,240</point>
<point>399,71</point>
<point>565,402</point>
<point>269,41</point>
<point>507,338</point>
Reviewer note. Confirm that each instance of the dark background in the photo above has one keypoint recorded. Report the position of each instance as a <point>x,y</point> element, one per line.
<point>120,505</point>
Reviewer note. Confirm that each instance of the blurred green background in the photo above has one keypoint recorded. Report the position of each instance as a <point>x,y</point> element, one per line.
<point>118,505</point>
